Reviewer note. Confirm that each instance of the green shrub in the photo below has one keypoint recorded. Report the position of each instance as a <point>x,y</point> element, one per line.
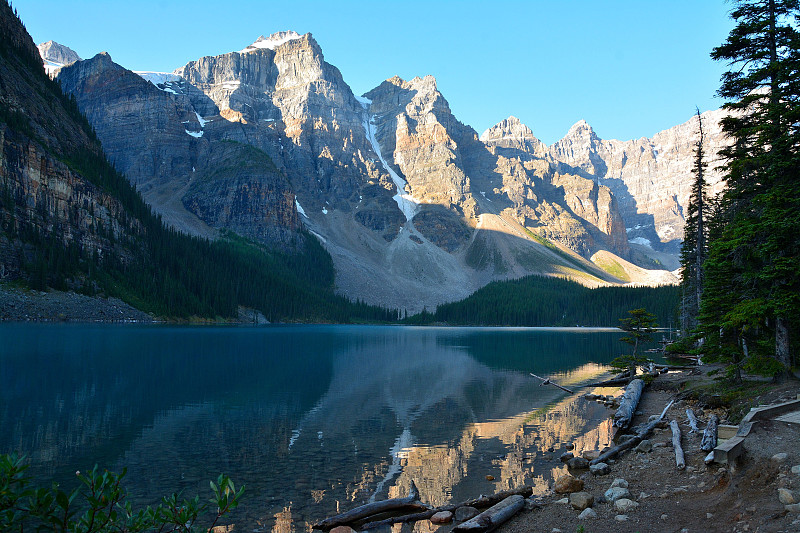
<point>100,505</point>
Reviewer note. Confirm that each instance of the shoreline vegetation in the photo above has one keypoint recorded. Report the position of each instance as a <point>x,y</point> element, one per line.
<point>557,303</point>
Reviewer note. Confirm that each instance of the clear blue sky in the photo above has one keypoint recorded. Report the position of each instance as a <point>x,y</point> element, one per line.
<point>629,68</point>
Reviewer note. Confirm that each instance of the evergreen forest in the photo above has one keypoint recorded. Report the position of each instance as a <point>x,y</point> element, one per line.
<point>740,301</point>
<point>542,301</point>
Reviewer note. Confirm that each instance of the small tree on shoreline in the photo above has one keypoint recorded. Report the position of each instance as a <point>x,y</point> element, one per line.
<point>639,327</point>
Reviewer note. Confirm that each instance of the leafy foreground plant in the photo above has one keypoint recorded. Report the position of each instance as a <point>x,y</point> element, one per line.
<point>100,504</point>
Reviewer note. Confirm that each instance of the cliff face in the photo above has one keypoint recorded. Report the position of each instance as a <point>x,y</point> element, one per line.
<point>651,178</point>
<point>503,173</point>
<point>182,163</point>
<point>413,206</point>
<point>557,203</point>
<point>42,199</point>
<point>287,101</point>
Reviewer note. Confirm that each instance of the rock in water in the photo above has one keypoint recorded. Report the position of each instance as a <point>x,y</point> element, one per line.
<point>442,517</point>
<point>465,513</point>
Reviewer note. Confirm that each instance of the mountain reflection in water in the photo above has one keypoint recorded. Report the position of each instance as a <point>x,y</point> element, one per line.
<point>313,419</point>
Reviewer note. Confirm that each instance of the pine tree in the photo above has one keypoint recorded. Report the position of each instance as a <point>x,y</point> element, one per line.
<point>752,289</point>
<point>694,248</point>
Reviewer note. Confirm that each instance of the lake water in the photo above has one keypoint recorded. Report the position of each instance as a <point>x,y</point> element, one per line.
<point>312,419</point>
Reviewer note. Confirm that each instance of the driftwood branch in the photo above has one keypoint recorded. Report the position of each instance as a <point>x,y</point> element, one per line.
<point>627,406</point>
<point>481,502</point>
<point>414,517</point>
<point>546,381</point>
<point>692,421</point>
<point>630,443</point>
<point>680,460</point>
<point>494,516</point>
<point>409,503</point>
<point>623,378</point>
<point>709,441</point>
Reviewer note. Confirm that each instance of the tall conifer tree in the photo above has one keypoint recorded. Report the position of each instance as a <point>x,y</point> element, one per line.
<point>694,249</point>
<point>752,290</point>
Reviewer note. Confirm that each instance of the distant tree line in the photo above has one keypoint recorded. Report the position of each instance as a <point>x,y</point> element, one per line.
<point>544,301</point>
<point>741,284</point>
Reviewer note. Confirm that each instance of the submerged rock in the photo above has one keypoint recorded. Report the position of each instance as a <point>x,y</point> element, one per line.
<point>465,513</point>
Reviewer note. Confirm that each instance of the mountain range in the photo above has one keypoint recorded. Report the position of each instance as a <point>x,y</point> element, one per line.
<point>414,207</point>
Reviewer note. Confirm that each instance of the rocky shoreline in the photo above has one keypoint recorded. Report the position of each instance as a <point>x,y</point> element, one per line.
<point>643,490</point>
<point>17,304</point>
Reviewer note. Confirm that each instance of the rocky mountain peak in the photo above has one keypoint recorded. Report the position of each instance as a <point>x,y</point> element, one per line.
<point>508,128</point>
<point>512,133</point>
<point>92,67</point>
<point>580,129</point>
<point>57,53</point>
<point>273,41</point>
<point>55,56</point>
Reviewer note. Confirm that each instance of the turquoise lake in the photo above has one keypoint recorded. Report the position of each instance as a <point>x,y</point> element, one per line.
<point>312,419</point>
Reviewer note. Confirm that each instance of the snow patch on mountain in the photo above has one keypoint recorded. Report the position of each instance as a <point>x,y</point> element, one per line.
<point>299,207</point>
<point>271,42</point>
<point>158,78</point>
<point>642,241</point>
<point>407,203</point>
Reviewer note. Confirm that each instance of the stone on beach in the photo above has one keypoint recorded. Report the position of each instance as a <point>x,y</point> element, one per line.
<point>577,463</point>
<point>581,500</point>
<point>625,505</point>
<point>615,493</point>
<point>786,497</point>
<point>442,517</point>
<point>567,484</point>
<point>600,469</point>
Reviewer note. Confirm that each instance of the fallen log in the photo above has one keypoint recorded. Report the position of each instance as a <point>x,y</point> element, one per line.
<point>546,381</point>
<point>494,516</point>
<point>414,517</point>
<point>627,406</point>
<point>692,420</point>
<point>680,460</point>
<point>630,443</point>
<point>409,503</point>
<point>709,441</point>
<point>480,502</point>
<point>613,382</point>
<point>484,501</point>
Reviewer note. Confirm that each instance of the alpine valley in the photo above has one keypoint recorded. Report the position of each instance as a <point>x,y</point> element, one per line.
<point>414,207</point>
